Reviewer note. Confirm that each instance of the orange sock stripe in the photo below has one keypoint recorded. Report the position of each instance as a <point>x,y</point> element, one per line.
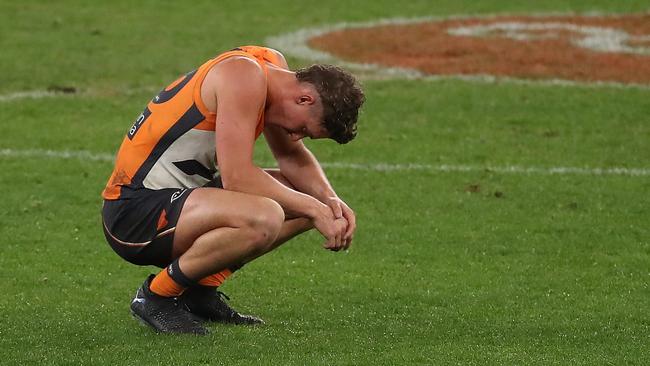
<point>164,285</point>
<point>216,279</point>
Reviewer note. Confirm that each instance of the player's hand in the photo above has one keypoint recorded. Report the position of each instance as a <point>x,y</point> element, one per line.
<point>324,221</point>
<point>341,209</point>
<point>341,227</point>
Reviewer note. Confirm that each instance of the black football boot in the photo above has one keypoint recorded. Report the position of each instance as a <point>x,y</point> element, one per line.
<point>208,303</point>
<point>164,314</point>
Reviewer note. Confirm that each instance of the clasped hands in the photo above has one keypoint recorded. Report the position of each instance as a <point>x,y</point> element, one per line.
<point>337,223</point>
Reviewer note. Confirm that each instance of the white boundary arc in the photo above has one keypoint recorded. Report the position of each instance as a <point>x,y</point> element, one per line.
<point>376,167</point>
<point>296,44</point>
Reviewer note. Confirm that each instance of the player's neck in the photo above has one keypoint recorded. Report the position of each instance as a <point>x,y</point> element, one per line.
<point>281,85</point>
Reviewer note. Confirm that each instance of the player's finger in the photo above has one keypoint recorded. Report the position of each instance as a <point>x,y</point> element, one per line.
<point>332,246</point>
<point>329,242</point>
<point>350,229</point>
<point>352,222</point>
<point>342,236</point>
<point>336,209</point>
<point>348,242</point>
<point>343,230</point>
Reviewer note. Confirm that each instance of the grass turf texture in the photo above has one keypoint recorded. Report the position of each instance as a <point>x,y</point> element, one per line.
<point>553,271</point>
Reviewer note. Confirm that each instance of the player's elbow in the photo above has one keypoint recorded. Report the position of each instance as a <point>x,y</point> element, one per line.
<point>234,180</point>
<point>230,182</point>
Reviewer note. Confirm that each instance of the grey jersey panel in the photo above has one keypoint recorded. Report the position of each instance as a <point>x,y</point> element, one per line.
<point>188,162</point>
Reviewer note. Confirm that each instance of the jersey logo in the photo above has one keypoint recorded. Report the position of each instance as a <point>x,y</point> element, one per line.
<point>175,196</point>
<point>193,167</point>
<point>138,122</point>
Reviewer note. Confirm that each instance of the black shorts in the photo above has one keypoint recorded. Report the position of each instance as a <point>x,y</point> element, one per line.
<point>140,228</point>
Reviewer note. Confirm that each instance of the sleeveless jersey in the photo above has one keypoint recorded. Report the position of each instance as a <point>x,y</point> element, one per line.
<point>172,143</point>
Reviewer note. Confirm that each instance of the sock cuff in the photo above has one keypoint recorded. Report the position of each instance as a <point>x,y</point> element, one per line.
<point>164,285</point>
<point>216,279</point>
<point>174,271</point>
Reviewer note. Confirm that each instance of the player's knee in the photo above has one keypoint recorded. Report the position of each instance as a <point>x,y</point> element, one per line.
<point>264,224</point>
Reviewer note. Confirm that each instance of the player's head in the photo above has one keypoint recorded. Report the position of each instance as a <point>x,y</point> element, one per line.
<point>340,99</point>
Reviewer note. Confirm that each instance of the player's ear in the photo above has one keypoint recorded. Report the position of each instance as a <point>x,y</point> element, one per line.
<point>306,99</point>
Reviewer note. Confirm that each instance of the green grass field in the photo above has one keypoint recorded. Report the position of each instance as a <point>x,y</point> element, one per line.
<point>473,268</point>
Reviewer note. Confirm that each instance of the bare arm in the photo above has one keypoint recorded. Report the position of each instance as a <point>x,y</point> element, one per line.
<point>240,90</point>
<point>303,170</point>
<point>298,164</point>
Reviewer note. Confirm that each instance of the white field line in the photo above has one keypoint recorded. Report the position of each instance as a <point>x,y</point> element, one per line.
<point>40,94</point>
<point>376,167</point>
<point>57,154</point>
<point>29,94</point>
<point>296,44</point>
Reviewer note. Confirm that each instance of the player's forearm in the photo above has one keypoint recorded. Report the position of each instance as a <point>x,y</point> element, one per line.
<point>306,174</point>
<point>255,181</point>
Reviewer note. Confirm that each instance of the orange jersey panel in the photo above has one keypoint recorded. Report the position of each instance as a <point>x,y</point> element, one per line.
<point>171,144</point>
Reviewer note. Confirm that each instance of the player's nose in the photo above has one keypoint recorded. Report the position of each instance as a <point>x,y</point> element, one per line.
<point>295,136</point>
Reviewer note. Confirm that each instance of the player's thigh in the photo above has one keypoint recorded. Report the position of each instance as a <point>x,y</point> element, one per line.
<point>206,209</point>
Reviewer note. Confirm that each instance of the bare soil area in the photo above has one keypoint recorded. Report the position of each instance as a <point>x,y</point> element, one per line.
<point>552,47</point>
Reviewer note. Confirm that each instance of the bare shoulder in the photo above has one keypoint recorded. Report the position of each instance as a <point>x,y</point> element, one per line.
<point>281,61</point>
<point>239,75</point>
<point>247,72</point>
<point>239,78</point>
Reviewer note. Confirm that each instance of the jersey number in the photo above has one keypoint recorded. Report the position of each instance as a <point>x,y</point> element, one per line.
<point>138,122</point>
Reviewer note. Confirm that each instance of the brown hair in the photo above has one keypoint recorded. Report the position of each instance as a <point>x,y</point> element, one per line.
<point>341,96</point>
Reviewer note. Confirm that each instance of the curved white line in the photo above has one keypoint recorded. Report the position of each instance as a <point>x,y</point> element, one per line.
<point>377,167</point>
<point>296,44</point>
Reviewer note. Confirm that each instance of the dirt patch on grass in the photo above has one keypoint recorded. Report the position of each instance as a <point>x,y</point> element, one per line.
<point>588,49</point>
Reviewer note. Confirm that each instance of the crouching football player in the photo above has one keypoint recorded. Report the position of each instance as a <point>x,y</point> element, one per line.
<point>186,196</point>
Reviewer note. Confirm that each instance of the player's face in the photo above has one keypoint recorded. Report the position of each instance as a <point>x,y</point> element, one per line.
<point>306,120</point>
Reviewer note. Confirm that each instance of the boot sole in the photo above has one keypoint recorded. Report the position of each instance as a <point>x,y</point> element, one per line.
<point>143,322</point>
